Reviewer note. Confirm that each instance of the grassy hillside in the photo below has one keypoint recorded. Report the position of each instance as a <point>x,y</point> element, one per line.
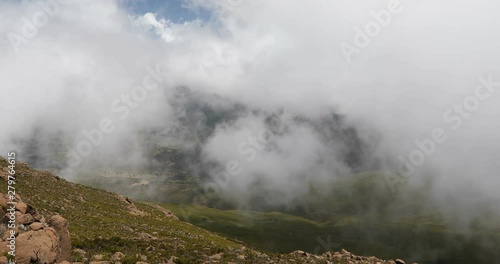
<point>360,214</point>
<point>272,231</point>
<point>361,234</point>
<point>103,223</point>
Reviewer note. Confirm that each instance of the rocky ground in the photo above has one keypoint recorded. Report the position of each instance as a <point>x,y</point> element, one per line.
<point>36,240</point>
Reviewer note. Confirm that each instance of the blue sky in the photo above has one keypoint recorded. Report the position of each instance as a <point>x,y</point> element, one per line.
<point>172,10</point>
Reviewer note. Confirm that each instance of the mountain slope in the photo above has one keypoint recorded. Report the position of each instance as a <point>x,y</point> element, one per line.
<point>103,223</point>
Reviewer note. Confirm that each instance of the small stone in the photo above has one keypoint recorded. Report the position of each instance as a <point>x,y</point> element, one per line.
<point>117,256</point>
<point>300,252</point>
<point>36,226</point>
<point>216,256</point>
<point>21,207</point>
<point>172,260</point>
<point>79,252</point>
<point>39,218</point>
<point>345,252</point>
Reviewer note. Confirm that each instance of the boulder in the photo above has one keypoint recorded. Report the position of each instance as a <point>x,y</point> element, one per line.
<point>21,207</point>
<point>25,219</point>
<point>36,242</point>
<point>40,246</point>
<point>60,225</point>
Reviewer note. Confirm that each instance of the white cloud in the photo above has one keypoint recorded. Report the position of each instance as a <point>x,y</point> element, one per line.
<point>264,54</point>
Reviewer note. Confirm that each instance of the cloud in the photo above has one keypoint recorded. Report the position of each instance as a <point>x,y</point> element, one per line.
<point>263,55</point>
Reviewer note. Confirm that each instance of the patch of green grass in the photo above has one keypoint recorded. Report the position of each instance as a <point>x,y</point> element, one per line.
<point>363,216</point>
<point>272,231</point>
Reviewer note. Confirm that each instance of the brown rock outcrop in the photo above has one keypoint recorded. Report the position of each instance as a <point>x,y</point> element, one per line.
<point>60,225</point>
<point>36,241</point>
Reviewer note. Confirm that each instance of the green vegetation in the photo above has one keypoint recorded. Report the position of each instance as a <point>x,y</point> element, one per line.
<point>356,213</point>
<point>359,214</point>
<point>272,231</point>
<point>102,223</point>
